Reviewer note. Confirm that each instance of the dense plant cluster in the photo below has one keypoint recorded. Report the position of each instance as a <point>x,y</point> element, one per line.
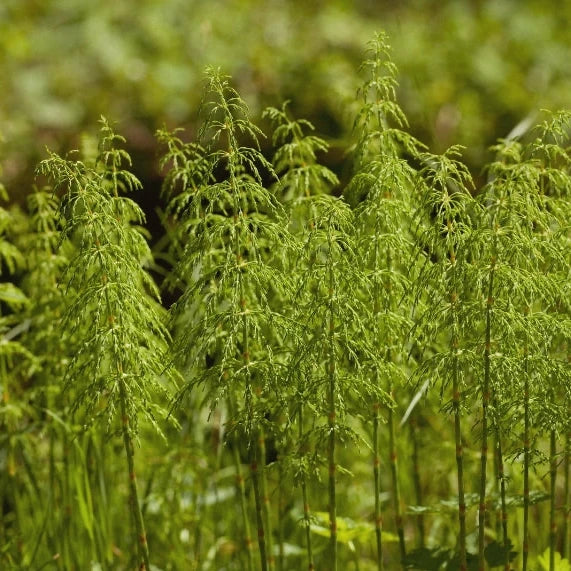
<point>373,376</point>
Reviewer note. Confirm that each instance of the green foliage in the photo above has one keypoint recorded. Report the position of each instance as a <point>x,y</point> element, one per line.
<point>114,321</point>
<point>308,314</point>
<point>560,563</point>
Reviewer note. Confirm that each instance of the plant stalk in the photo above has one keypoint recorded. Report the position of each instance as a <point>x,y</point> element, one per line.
<point>502,480</point>
<point>259,508</point>
<point>265,498</point>
<point>456,397</point>
<point>566,541</point>
<point>241,486</point>
<point>553,481</point>
<point>134,494</point>
<point>305,498</point>
<point>395,478</point>
<point>331,420</point>
<point>243,505</point>
<point>377,479</point>
<point>418,496</point>
<point>485,405</point>
<point>526,463</point>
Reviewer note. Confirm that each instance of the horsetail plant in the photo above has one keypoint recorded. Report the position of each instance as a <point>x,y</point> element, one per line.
<point>114,321</point>
<point>45,265</point>
<point>299,317</point>
<point>549,153</point>
<point>331,357</point>
<point>234,225</point>
<point>445,211</point>
<point>383,184</point>
<point>301,177</point>
<point>523,211</point>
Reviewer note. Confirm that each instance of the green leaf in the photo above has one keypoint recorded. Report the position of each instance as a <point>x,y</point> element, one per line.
<point>348,529</point>
<point>560,563</point>
<point>497,554</point>
<point>12,296</point>
<point>424,559</point>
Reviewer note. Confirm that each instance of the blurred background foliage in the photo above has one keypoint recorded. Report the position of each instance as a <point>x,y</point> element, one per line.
<point>470,70</point>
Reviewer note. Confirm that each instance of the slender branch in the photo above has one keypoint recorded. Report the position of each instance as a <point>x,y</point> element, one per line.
<point>485,404</point>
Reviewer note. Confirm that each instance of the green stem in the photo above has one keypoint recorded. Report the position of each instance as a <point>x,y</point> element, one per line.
<point>456,398</point>
<point>243,309</point>
<point>331,419</point>
<point>69,554</point>
<point>392,441</point>
<point>502,481</point>
<point>552,479</point>
<point>418,496</point>
<point>377,477</point>
<point>485,405</point>
<point>395,478</point>
<point>281,516</point>
<point>240,484</point>
<point>376,410</point>
<point>526,464</point>
<point>305,498</point>
<point>265,499</point>
<point>259,508</point>
<point>497,490</point>
<point>566,542</point>
<point>456,404</point>
<point>134,494</point>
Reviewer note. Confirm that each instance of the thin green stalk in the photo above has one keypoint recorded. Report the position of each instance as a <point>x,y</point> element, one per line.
<point>305,497</point>
<point>395,478</point>
<point>241,486</point>
<point>144,563</point>
<point>456,396</point>
<point>498,515</point>
<point>281,516</point>
<point>377,479</point>
<point>502,481</point>
<point>254,445</point>
<point>259,507</point>
<point>265,499</point>
<point>485,404</point>
<point>456,404</point>
<point>332,389</point>
<point>97,470</point>
<point>526,463</point>
<point>566,542</point>
<point>552,513</point>
<point>376,418</point>
<point>418,496</point>
<point>67,501</point>
<point>392,440</point>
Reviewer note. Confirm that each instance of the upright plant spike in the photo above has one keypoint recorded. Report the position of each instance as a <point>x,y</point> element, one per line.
<point>301,177</point>
<point>523,210</point>
<point>295,159</point>
<point>114,320</point>
<point>234,225</point>
<point>551,154</point>
<point>331,358</point>
<point>186,171</point>
<point>45,263</point>
<point>446,206</point>
<point>566,541</point>
<point>383,185</point>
